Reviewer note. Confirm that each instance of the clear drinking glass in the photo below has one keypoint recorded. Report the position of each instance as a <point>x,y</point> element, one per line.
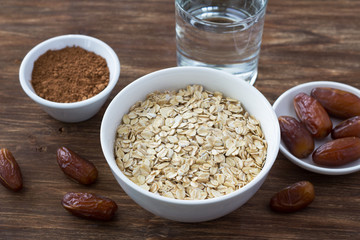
<point>222,34</point>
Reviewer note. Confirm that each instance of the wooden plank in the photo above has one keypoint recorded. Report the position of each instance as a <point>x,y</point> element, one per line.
<point>303,41</point>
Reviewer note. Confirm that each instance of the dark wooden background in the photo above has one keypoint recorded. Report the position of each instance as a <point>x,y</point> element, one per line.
<point>303,41</point>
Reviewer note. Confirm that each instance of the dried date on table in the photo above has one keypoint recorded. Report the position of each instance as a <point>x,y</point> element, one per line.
<point>293,198</point>
<point>76,167</point>
<point>88,205</point>
<point>10,174</point>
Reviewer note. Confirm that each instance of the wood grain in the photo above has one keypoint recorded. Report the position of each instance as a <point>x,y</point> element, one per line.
<point>303,41</point>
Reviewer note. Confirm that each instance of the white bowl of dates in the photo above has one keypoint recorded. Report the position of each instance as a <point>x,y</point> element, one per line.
<point>71,76</point>
<point>161,136</point>
<point>320,127</point>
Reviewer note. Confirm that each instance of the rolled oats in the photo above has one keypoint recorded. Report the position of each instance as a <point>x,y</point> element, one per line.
<point>190,144</point>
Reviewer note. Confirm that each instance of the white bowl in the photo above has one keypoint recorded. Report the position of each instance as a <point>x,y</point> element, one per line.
<point>173,79</point>
<point>284,106</point>
<point>76,111</point>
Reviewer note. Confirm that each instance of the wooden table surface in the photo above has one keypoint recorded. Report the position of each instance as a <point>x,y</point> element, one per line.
<point>303,41</point>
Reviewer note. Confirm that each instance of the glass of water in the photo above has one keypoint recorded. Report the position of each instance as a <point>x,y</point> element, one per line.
<point>222,34</point>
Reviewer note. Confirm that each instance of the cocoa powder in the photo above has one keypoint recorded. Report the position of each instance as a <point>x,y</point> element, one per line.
<point>70,74</point>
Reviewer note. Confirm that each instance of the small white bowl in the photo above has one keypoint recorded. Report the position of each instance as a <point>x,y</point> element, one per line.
<point>283,106</point>
<point>174,79</point>
<point>76,111</point>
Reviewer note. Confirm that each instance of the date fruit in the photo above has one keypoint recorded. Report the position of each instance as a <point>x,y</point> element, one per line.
<point>10,174</point>
<point>296,137</point>
<point>76,167</point>
<point>338,103</point>
<point>313,115</point>
<point>348,128</point>
<point>337,152</point>
<point>293,198</point>
<point>90,206</point>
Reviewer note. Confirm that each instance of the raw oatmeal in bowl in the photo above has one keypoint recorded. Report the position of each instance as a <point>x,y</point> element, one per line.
<point>190,144</point>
